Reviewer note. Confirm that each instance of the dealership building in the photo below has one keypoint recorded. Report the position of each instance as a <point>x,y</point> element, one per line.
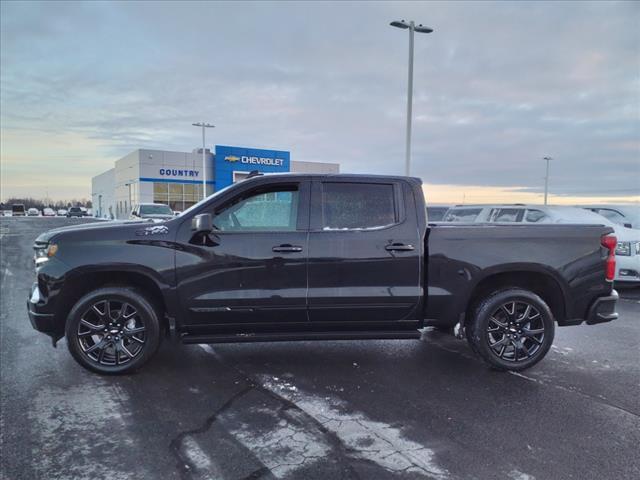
<point>176,178</point>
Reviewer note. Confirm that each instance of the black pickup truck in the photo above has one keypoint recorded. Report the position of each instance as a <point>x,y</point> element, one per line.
<point>316,257</point>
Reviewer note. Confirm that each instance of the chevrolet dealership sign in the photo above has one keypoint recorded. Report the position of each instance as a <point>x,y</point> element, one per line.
<point>255,160</point>
<point>244,160</point>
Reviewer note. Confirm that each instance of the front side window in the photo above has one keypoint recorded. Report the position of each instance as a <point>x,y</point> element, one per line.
<point>274,209</point>
<point>353,206</point>
<point>462,214</point>
<point>508,215</point>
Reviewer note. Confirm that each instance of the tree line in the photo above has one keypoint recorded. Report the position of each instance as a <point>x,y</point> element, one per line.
<point>40,204</point>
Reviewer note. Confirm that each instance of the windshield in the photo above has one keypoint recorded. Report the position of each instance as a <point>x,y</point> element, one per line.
<point>155,210</point>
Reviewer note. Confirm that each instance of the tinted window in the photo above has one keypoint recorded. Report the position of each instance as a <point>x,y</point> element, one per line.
<point>534,216</point>
<point>615,217</point>
<point>274,209</point>
<point>462,214</point>
<point>436,214</point>
<point>506,215</point>
<point>357,205</point>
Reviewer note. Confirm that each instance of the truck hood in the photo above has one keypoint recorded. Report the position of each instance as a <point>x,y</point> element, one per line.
<point>97,226</point>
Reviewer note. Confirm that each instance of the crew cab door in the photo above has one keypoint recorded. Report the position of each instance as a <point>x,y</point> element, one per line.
<point>252,269</point>
<point>364,253</point>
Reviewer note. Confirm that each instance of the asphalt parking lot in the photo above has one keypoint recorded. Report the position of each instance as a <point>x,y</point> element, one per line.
<point>350,409</point>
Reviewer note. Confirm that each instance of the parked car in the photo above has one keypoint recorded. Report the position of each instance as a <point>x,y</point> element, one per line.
<point>62,212</point>
<point>152,211</point>
<point>18,210</point>
<point>33,212</point>
<point>435,213</point>
<point>625,215</point>
<point>75,212</point>
<point>85,212</point>
<point>48,212</point>
<point>315,257</point>
<point>627,251</point>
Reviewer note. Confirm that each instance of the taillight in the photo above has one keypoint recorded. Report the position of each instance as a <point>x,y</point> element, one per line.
<point>609,242</point>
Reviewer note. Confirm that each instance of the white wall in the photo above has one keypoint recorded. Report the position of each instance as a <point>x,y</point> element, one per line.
<point>314,167</point>
<point>102,193</point>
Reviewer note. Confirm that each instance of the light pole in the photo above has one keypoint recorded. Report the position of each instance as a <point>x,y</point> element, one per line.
<point>412,28</point>
<point>204,163</point>
<point>546,179</point>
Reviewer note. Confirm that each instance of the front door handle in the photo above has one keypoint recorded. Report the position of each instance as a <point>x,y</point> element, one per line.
<point>286,248</point>
<point>398,247</point>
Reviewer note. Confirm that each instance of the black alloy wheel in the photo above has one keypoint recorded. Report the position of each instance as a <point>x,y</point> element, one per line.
<point>515,331</point>
<point>511,329</point>
<point>113,330</point>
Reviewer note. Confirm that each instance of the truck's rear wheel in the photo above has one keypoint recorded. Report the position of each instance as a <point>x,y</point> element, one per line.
<point>511,329</point>
<point>113,330</point>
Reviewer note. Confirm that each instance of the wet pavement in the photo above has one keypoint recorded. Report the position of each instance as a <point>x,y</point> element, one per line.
<point>315,410</point>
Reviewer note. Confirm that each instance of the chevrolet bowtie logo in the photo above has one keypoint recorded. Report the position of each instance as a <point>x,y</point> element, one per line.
<point>231,158</point>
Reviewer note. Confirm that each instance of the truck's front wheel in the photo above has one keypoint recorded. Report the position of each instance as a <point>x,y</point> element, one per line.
<point>113,330</point>
<point>511,329</point>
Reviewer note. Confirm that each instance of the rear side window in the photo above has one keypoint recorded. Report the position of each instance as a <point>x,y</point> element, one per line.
<point>534,216</point>
<point>351,206</point>
<point>462,214</point>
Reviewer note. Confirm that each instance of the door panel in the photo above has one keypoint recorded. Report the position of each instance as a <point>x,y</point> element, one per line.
<point>364,260</point>
<point>246,273</point>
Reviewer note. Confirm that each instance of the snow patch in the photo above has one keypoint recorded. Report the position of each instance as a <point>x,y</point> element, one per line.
<point>366,439</point>
<point>82,432</point>
<point>518,475</point>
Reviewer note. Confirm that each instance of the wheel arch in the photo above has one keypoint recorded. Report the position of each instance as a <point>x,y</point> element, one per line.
<point>538,280</point>
<point>80,282</point>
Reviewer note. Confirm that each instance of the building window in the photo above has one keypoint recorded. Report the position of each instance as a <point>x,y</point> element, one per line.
<point>160,192</point>
<point>179,196</point>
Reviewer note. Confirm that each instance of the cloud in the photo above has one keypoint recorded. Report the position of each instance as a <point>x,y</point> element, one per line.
<point>497,87</point>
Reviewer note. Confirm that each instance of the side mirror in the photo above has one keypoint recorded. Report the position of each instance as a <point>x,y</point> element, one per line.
<point>202,223</point>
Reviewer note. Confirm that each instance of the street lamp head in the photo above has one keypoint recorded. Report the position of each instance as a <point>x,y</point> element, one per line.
<point>422,29</point>
<point>399,24</point>
<point>547,158</point>
<point>203,124</point>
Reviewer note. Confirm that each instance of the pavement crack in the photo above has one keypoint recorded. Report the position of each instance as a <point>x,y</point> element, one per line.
<point>576,391</point>
<point>185,465</point>
<point>343,452</point>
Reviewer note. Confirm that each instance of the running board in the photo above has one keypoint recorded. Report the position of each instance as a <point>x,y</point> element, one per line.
<point>304,336</point>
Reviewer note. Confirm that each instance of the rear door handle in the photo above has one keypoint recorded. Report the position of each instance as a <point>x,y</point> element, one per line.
<point>286,248</point>
<point>399,247</point>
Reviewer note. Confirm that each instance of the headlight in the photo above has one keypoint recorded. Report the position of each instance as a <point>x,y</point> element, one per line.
<point>42,255</point>
<point>623,249</point>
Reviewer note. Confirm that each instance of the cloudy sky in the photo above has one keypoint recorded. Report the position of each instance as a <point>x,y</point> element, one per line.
<point>497,87</point>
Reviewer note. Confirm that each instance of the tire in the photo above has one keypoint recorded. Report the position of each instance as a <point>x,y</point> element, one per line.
<point>113,330</point>
<point>511,329</point>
